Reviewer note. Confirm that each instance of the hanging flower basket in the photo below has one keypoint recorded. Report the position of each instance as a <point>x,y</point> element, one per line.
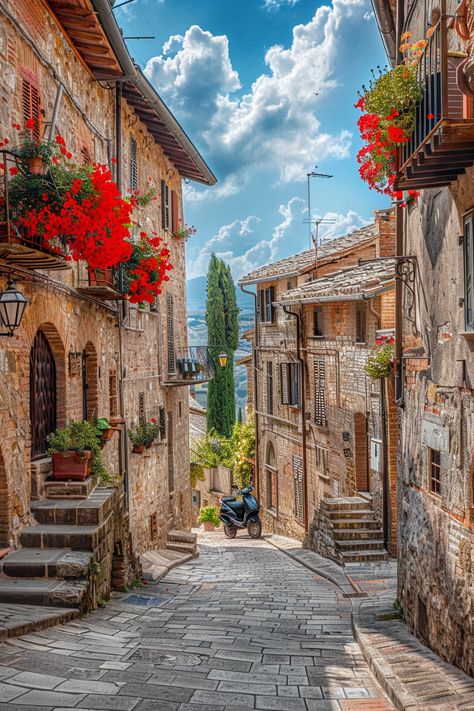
<point>379,363</point>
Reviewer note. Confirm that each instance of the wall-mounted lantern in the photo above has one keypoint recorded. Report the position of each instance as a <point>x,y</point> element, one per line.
<point>223,358</point>
<point>12,307</point>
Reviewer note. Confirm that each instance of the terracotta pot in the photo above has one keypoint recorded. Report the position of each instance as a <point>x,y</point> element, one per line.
<point>107,434</point>
<point>72,465</point>
<point>208,526</point>
<point>37,166</point>
<point>138,448</point>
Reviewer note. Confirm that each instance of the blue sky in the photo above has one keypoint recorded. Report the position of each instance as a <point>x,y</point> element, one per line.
<point>265,89</point>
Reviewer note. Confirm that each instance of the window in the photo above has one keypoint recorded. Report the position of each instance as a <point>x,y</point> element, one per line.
<point>322,461</point>
<point>469,273</point>
<point>86,156</point>
<point>290,389</point>
<point>271,479</point>
<point>165,206</point>
<point>113,399</point>
<point>360,323</point>
<point>162,421</point>
<point>30,99</point>
<point>270,388</point>
<point>320,418</point>
<point>170,333</point>
<point>141,407</point>
<point>133,166</point>
<point>435,470</point>
<point>266,310</point>
<point>174,211</point>
<point>298,488</point>
<point>318,321</point>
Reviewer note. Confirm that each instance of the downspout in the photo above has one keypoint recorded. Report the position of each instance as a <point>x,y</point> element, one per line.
<point>383,413</point>
<point>124,454</point>
<point>398,310</point>
<point>303,412</point>
<point>255,395</point>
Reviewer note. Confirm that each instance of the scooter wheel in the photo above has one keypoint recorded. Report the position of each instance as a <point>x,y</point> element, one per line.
<point>254,529</point>
<point>230,531</point>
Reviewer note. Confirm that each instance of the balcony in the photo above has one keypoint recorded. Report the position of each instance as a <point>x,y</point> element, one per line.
<point>103,284</point>
<point>190,366</point>
<point>18,249</point>
<point>442,145</point>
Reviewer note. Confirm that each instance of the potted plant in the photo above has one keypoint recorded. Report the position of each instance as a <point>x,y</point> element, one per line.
<point>209,517</point>
<point>75,451</point>
<point>144,435</point>
<point>184,232</point>
<point>380,360</point>
<point>32,154</point>
<point>104,429</point>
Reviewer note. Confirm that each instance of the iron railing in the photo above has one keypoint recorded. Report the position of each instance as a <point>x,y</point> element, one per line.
<point>192,365</point>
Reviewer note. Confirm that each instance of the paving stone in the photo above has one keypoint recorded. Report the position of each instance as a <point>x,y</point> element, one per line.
<point>279,703</point>
<point>54,699</point>
<point>103,702</point>
<point>36,681</point>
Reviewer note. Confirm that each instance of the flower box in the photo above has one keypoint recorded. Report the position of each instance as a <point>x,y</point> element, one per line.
<point>71,465</point>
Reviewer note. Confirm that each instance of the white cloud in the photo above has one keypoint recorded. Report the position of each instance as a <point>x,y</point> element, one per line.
<point>273,125</point>
<point>276,4</point>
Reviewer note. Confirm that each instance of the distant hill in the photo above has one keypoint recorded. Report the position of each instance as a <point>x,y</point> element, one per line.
<point>196,296</point>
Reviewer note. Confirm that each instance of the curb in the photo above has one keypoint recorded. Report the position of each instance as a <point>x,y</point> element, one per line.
<point>402,700</point>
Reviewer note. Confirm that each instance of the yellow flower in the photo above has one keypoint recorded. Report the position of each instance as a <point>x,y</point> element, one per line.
<point>404,47</point>
<point>405,36</point>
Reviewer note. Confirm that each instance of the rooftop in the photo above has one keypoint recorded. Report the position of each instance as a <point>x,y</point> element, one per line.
<point>299,263</point>
<point>363,281</point>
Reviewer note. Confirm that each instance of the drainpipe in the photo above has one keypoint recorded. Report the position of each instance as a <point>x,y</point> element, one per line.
<point>124,454</point>
<point>383,413</point>
<point>303,412</point>
<point>398,309</point>
<point>255,387</point>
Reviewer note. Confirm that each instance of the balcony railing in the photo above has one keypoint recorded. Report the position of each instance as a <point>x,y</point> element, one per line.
<point>190,366</point>
<point>103,284</point>
<point>441,146</point>
<point>16,248</point>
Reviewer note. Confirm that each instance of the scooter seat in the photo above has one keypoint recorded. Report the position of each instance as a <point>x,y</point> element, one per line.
<point>226,499</point>
<point>236,506</point>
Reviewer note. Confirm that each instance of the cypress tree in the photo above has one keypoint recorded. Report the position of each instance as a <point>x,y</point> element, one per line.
<point>222,317</point>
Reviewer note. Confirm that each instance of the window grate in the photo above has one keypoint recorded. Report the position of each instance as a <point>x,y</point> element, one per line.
<point>320,418</point>
<point>435,471</point>
<point>298,487</point>
<point>165,206</point>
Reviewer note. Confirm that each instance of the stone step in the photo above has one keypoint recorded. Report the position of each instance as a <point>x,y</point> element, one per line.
<point>181,547</point>
<point>344,503</point>
<point>362,556</point>
<point>365,522</point>
<point>50,593</point>
<point>352,513</point>
<point>46,563</point>
<point>360,545</point>
<point>66,489</point>
<point>76,512</point>
<point>78,538</point>
<point>352,534</point>
<point>183,536</point>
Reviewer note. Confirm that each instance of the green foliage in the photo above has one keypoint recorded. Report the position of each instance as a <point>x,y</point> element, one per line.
<point>209,514</point>
<point>79,436</point>
<point>31,148</point>
<point>240,418</point>
<point>213,450</point>
<point>222,315</point>
<point>380,358</point>
<point>102,423</point>
<point>400,612</point>
<point>144,434</point>
<point>196,473</point>
<point>397,89</point>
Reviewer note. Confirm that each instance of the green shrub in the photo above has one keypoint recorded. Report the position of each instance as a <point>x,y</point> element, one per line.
<point>79,436</point>
<point>144,434</point>
<point>209,514</point>
<point>379,362</point>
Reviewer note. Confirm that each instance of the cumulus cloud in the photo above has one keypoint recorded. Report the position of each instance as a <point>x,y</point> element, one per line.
<point>274,123</point>
<point>276,4</point>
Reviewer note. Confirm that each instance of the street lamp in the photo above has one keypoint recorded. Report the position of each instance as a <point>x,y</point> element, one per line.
<point>223,358</point>
<point>12,306</point>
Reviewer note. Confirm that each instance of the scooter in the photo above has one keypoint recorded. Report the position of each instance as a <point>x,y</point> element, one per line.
<point>236,514</point>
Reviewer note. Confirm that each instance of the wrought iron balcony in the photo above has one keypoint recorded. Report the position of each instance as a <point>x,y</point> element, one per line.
<point>441,146</point>
<point>190,366</point>
<point>103,284</point>
<point>17,248</point>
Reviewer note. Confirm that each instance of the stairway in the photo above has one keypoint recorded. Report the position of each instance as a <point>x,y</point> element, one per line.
<point>346,529</point>
<point>180,547</point>
<point>66,554</point>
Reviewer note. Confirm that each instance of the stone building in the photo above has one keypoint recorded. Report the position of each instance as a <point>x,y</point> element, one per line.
<point>322,424</point>
<point>435,373</point>
<point>82,351</point>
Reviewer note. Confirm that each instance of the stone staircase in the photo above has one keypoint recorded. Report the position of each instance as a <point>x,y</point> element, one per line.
<point>64,559</point>
<point>180,547</point>
<point>346,529</point>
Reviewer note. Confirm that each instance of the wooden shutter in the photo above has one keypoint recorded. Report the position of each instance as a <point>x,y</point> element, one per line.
<point>298,487</point>
<point>170,333</point>
<point>174,211</point>
<point>269,387</point>
<point>270,298</point>
<point>141,407</point>
<point>285,392</point>
<point>162,422</point>
<point>319,393</point>
<point>31,106</point>
<point>295,384</point>
<point>133,177</point>
<point>469,273</point>
<point>165,206</point>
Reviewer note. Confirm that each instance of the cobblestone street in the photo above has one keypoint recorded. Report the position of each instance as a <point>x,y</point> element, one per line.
<point>241,627</point>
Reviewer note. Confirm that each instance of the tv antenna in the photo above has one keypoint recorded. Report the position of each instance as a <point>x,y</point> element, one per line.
<point>313,174</point>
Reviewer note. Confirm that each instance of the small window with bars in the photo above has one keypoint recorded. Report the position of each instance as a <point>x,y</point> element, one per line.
<point>435,470</point>
<point>361,316</point>
<point>290,385</point>
<point>113,394</point>
<point>31,106</point>
<point>165,206</point>
<point>265,306</point>
<point>133,165</point>
<point>318,321</point>
<point>320,418</point>
<point>298,493</point>
<point>170,333</point>
<point>269,388</point>
<point>469,272</point>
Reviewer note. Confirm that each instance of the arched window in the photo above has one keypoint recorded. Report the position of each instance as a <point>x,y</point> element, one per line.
<point>271,479</point>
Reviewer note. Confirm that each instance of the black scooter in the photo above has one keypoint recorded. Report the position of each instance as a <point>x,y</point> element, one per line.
<point>236,514</point>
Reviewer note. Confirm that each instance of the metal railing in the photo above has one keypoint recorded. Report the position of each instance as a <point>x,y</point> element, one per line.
<point>193,365</point>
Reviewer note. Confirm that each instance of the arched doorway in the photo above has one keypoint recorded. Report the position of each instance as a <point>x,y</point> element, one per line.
<point>361,454</point>
<point>271,479</point>
<point>43,394</point>
<point>90,383</point>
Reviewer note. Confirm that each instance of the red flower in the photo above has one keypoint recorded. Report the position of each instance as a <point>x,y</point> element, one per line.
<point>45,197</point>
<point>63,150</point>
<point>13,171</point>
<point>153,420</point>
<point>31,123</point>
<point>414,194</point>
<point>430,116</point>
<point>60,140</point>
<point>16,126</point>
<point>54,160</point>
<point>69,155</point>
<point>114,161</point>
<point>6,140</point>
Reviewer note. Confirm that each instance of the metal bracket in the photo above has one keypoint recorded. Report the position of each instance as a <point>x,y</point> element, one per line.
<point>406,269</point>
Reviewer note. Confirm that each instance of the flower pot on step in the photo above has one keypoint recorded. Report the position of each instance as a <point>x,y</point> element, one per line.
<point>208,526</point>
<point>37,166</point>
<point>72,465</point>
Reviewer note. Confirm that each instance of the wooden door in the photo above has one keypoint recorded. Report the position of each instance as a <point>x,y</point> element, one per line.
<point>361,453</point>
<point>42,394</point>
